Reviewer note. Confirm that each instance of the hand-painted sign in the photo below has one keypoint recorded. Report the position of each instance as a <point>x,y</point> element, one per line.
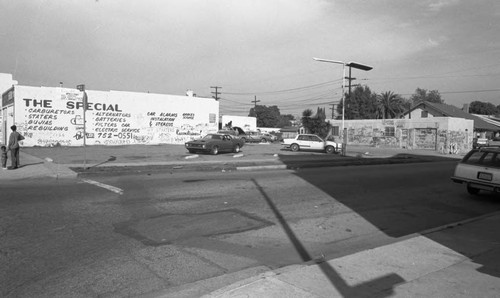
<point>55,116</point>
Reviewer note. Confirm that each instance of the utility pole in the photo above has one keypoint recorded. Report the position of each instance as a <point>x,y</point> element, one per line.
<point>350,85</point>
<point>255,101</point>
<point>216,93</point>
<point>333,110</point>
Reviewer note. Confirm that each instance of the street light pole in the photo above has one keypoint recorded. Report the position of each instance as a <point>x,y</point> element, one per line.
<point>351,65</point>
<point>81,88</point>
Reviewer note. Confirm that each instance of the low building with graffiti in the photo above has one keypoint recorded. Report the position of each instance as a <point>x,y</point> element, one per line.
<point>443,134</point>
<point>53,116</point>
<point>426,109</point>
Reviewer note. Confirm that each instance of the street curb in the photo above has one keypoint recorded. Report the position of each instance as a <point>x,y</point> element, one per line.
<point>240,165</point>
<point>254,168</point>
<point>60,171</point>
<point>458,223</point>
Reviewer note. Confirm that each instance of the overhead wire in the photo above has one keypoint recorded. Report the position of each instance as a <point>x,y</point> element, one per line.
<point>284,90</point>
<point>286,102</point>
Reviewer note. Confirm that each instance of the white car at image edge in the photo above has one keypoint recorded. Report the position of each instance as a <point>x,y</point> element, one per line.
<point>479,170</point>
<point>310,142</point>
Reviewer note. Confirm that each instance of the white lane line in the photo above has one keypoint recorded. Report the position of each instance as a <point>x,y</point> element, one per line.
<point>108,187</point>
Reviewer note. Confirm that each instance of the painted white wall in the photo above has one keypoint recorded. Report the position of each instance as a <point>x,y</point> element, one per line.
<point>451,133</point>
<point>47,116</point>
<point>446,123</point>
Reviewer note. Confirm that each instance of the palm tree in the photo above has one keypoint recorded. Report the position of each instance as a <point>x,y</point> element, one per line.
<point>306,119</point>
<point>389,105</point>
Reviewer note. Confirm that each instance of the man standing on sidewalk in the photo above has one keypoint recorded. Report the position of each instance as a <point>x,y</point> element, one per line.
<point>13,146</point>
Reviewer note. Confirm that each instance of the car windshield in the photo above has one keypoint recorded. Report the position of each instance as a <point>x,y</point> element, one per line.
<point>227,132</point>
<point>212,137</point>
<point>483,158</point>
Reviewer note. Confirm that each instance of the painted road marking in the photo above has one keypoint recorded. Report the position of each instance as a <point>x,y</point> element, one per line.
<point>105,186</point>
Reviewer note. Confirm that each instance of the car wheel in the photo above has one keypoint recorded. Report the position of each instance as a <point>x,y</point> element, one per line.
<point>472,190</point>
<point>215,150</point>
<point>236,148</point>
<point>263,140</point>
<point>244,140</point>
<point>329,149</point>
<point>294,147</point>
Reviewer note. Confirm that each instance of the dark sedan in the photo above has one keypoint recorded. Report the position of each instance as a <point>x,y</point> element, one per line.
<point>215,143</point>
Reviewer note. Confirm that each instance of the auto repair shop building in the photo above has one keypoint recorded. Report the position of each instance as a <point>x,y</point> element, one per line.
<point>53,116</point>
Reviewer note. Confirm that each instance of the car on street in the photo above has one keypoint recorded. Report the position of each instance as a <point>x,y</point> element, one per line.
<point>214,144</point>
<point>479,170</point>
<point>310,142</point>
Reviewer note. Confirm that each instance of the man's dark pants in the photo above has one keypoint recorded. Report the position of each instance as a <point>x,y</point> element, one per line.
<point>14,154</point>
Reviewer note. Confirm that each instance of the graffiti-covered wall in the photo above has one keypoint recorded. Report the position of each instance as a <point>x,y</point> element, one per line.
<point>445,134</point>
<point>55,116</point>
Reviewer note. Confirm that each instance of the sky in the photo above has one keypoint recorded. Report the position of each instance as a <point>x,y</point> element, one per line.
<point>256,50</point>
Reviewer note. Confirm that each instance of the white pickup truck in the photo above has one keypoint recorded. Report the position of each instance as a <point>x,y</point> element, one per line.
<point>311,142</point>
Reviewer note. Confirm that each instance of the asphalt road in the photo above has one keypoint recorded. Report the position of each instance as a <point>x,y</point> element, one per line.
<point>153,232</point>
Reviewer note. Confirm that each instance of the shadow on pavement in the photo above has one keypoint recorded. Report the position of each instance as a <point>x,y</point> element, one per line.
<point>388,197</point>
<point>30,164</point>
<point>385,283</point>
<point>111,158</point>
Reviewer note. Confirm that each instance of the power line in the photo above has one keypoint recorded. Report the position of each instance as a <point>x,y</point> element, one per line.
<point>464,91</point>
<point>284,90</point>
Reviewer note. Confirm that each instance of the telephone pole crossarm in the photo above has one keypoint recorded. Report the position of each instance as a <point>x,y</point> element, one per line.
<point>216,93</point>
<point>255,101</point>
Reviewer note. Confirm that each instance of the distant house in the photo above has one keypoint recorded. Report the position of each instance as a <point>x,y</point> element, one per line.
<point>426,109</point>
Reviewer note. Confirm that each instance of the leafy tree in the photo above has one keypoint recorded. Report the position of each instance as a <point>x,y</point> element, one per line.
<point>389,105</point>
<point>424,95</point>
<point>252,113</point>
<point>266,116</point>
<point>361,105</point>
<point>483,108</point>
<point>316,124</point>
<point>285,120</point>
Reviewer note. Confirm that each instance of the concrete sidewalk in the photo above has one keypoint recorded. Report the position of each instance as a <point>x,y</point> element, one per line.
<point>459,260</point>
<point>35,167</point>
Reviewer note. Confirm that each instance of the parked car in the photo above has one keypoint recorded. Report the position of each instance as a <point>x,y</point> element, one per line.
<point>479,170</point>
<point>271,136</point>
<point>494,142</point>
<point>235,132</point>
<point>258,137</point>
<point>215,143</point>
<point>479,142</point>
<point>310,142</point>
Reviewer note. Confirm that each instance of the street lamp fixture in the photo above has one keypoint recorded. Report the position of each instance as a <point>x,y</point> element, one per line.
<point>350,65</point>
